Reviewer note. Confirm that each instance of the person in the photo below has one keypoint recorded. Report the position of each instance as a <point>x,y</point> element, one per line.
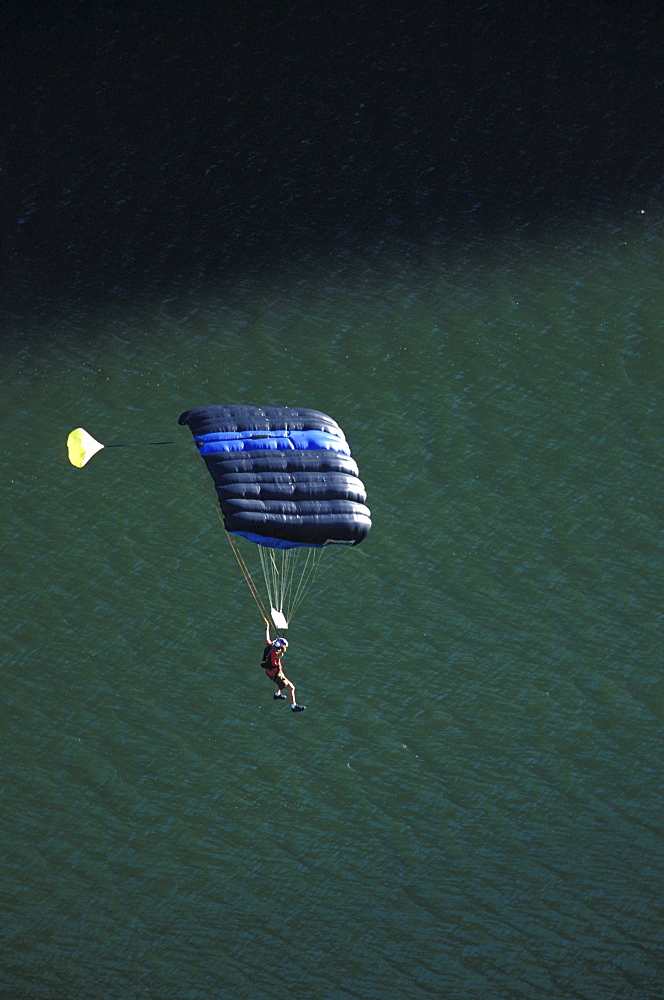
<point>274,650</point>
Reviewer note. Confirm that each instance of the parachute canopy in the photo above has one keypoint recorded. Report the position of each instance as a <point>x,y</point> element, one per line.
<point>285,481</point>
<point>284,475</point>
<point>81,446</point>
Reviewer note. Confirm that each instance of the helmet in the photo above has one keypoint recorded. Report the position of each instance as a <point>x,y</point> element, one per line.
<point>283,643</point>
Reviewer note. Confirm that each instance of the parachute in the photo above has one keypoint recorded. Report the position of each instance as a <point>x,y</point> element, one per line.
<point>81,446</point>
<point>286,481</point>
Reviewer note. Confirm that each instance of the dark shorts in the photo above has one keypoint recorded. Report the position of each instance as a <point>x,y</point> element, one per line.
<point>274,676</point>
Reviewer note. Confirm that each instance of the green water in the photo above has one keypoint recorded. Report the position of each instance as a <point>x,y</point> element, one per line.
<point>471,805</point>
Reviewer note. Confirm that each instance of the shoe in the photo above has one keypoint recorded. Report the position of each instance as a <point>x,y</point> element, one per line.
<point>278,696</point>
<point>298,708</point>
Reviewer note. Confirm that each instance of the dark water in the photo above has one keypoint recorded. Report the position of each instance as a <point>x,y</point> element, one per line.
<point>471,805</point>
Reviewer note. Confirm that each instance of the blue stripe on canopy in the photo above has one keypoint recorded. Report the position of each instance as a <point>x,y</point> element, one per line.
<point>209,444</point>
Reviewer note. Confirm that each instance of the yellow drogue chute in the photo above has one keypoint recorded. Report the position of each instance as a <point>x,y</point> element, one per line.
<point>81,446</point>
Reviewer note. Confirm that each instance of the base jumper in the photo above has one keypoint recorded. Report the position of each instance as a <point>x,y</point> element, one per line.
<point>272,655</point>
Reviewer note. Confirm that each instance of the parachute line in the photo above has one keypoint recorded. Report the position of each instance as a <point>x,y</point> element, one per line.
<point>288,575</point>
<point>245,572</point>
<point>307,576</point>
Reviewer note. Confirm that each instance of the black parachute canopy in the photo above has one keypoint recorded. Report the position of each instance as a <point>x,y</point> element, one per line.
<point>284,475</point>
